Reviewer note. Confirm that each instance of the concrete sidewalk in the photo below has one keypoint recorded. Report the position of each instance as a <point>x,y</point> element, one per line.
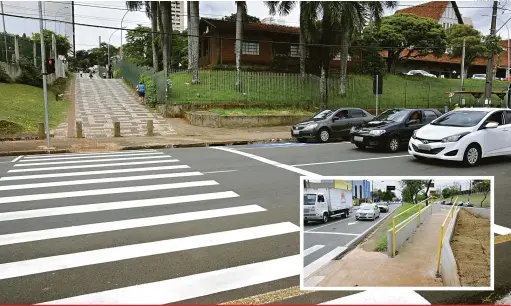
<point>414,266</point>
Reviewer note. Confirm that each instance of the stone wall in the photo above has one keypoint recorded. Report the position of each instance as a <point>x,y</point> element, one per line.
<point>208,119</point>
<point>13,71</point>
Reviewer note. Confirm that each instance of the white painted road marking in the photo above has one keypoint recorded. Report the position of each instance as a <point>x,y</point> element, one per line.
<point>57,156</point>
<point>101,180</point>
<point>98,157</point>
<point>332,233</point>
<point>17,158</point>
<point>501,230</point>
<point>94,257</point>
<point>312,249</point>
<point>220,171</point>
<point>351,223</point>
<point>351,160</point>
<point>97,165</point>
<point>321,262</point>
<point>89,161</point>
<point>84,193</point>
<point>78,209</point>
<point>88,173</point>
<point>193,286</point>
<point>328,224</point>
<point>126,224</point>
<point>382,296</point>
<point>268,161</point>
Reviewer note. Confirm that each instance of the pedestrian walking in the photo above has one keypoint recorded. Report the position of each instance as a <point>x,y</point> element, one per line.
<point>141,92</point>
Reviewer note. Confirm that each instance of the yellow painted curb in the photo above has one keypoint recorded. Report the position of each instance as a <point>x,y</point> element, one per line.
<point>502,239</point>
<point>269,297</point>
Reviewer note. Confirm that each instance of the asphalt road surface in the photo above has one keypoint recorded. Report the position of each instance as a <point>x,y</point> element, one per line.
<point>322,239</point>
<point>125,227</point>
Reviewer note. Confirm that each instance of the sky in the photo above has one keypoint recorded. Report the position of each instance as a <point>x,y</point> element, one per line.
<point>111,13</point>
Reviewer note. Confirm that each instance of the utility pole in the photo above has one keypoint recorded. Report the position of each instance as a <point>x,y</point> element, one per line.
<point>462,73</point>
<point>73,20</point>
<point>5,32</point>
<point>43,68</point>
<point>489,68</point>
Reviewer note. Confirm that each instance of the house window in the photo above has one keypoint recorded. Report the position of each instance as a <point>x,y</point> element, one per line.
<point>250,48</point>
<point>294,51</point>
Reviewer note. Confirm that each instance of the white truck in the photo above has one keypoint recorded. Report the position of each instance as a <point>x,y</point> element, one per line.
<point>322,203</point>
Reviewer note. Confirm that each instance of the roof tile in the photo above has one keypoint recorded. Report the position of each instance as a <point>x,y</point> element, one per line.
<point>433,9</point>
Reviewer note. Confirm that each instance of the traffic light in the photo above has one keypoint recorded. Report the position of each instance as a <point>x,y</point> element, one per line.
<point>50,67</point>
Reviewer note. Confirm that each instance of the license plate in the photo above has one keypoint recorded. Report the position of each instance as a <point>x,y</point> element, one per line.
<point>424,147</point>
<point>358,138</point>
<point>296,132</point>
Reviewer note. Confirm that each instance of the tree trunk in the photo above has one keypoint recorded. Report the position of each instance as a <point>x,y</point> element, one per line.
<point>194,36</point>
<point>169,31</point>
<point>323,87</point>
<point>188,31</point>
<point>160,25</point>
<point>164,10</point>
<point>344,64</point>
<point>154,28</point>
<point>303,54</point>
<point>239,41</point>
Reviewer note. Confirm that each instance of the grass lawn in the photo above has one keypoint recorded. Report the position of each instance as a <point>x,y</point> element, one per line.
<point>24,106</point>
<point>474,199</point>
<point>382,243</point>
<point>259,112</point>
<point>279,89</point>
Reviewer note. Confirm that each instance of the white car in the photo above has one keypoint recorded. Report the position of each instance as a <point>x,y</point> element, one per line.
<point>421,72</point>
<point>368,211</point>
<point>465,135</point>
<point>479,77</point>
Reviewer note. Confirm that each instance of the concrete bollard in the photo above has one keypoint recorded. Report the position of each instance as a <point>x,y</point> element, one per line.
<point>79,130</point>
<point>117,129</point>
<point>150,127</point>
<point>41,132</point>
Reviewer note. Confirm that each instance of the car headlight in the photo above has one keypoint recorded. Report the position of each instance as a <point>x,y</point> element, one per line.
<point>310,126</point>
<point>414,134</point>
<point>377,132</point>
<point>454,138</point>
<point>353,129</point>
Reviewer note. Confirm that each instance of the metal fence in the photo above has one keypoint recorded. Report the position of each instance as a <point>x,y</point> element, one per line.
<point>26,49</point>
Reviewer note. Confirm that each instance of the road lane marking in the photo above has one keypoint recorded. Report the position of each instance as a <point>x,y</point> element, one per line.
<point>108,191</point>
<point>87,208</point>
<point>501,230</point>
<point>333,233</point>
<point>98,172</point>
<point>90,161</point>
<point>101,180</point>
<point>268,161</point>
<point>382,296</point>
<point>328,224</point>
<point>98,157</point>
<point>114,254</point>
<point>350,160</point>
<point>125,224</point>
<point>221,171</point>
<point>321,262</point>
<point>193,286</point>
<point>17,158</point>
<point>96,165</point>
<point>312,250</point>
<point>351,223</point>
<point>57,156</point>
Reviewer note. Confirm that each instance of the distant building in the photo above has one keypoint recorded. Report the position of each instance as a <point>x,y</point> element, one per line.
<point>361,189</point>
<point>178,15</point>
<point>446,13</point>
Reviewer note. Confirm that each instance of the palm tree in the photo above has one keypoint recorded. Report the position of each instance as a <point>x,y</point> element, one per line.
<point>166,29</point>
<point>241,13</point>
<point>152,13</point>
<point>193,41</point>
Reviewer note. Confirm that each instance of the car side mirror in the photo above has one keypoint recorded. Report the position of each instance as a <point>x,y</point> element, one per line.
<point>491,125</point>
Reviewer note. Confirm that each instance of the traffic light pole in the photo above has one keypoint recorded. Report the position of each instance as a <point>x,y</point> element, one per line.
<point>43,68</point>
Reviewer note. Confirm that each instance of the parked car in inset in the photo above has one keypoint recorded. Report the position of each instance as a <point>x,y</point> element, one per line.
<point>420,73</point>
<point>392,129</point>
<point>383,207</point>
<point>479,76</point>
<point>367,211</point>
<point>330,124</point>
<point>464,135</point>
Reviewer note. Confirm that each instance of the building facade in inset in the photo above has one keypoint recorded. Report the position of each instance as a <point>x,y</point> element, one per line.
<point>361,189</point>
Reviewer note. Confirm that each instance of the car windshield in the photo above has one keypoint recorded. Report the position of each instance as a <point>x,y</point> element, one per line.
<point>460,118</point>
<point>366,206</point>
<point>323,114</point>
<point>392,115</point>
<point>309,199</point>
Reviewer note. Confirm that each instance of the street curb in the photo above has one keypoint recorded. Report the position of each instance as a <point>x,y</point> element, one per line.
<point>353,243</point>
<point>156,146</point>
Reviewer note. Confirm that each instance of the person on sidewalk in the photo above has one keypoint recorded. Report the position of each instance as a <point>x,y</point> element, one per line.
<point>141,91</point>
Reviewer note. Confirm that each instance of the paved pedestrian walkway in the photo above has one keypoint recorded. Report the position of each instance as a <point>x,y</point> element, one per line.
<point>414,266</point>
<point>101,102</point>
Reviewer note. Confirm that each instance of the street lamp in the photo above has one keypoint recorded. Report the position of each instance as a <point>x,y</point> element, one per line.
<point>108,47</point>
<point>121,29</point>
<point>65,7</point>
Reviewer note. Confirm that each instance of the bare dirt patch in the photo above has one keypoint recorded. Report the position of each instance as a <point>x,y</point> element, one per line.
<point>94,146</point>
<point>471,248</point>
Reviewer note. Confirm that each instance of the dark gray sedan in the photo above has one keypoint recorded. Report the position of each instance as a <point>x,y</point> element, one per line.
<point>330,124</point>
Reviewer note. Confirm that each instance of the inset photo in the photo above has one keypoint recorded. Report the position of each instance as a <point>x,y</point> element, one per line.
<point>421,233</point>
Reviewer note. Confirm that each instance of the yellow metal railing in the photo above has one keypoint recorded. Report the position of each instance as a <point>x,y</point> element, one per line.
<point>395,231</point>
<point>442,232</point>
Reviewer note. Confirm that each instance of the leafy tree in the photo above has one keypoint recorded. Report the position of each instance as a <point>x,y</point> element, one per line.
<point>372,62</point>
<point>250,19</point>
<point>418,35</point>
<point>483,186</point>
<point>411,189</point>
<point>474,43</point>
<point>63,44</point>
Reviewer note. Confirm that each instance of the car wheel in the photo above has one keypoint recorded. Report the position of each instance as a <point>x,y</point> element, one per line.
<point>419,157</point>
<point>302,139</point>
<point>323,135</point>
<point>393,145</point>
<point>325,218</point>
<point>472,155</point>
<point>360,146</point>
